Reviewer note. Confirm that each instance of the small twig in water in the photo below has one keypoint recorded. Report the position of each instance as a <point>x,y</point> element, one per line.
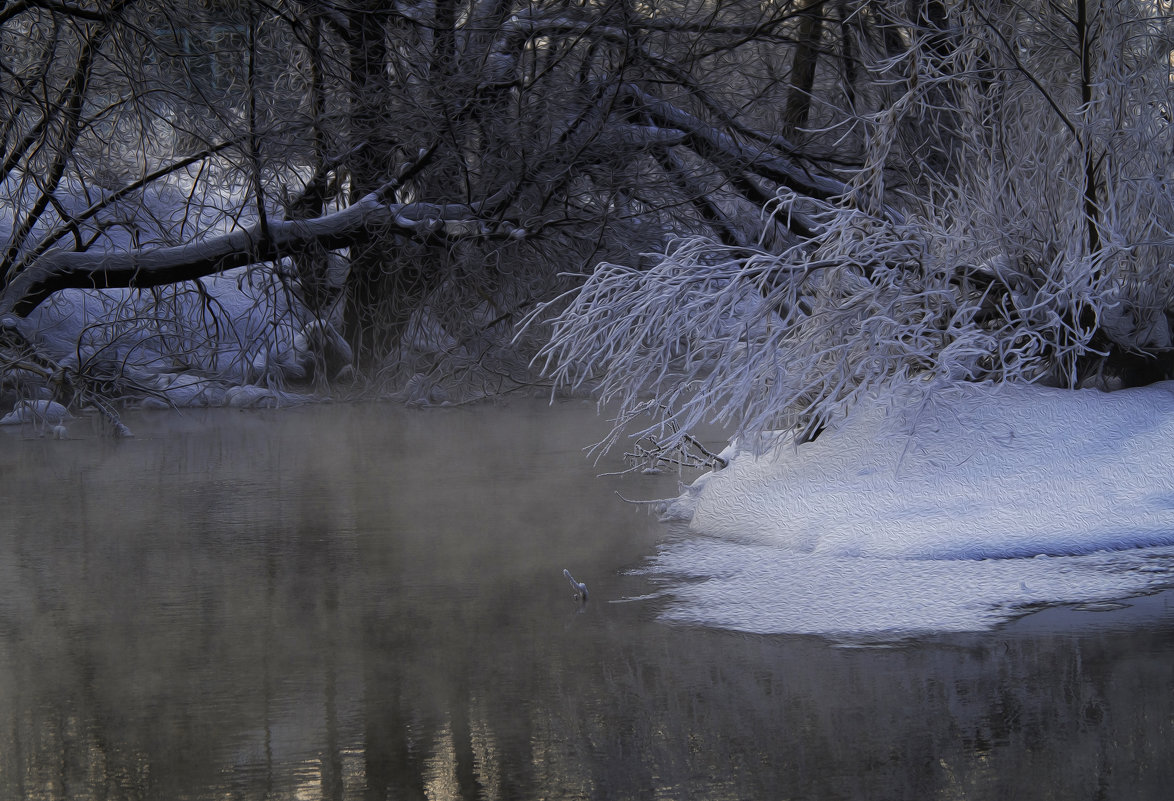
<point>580,587</point>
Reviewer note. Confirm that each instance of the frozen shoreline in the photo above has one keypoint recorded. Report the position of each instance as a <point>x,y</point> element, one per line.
<point>918,517</point>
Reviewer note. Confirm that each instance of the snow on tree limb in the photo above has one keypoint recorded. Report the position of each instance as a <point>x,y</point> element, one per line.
<point>151,267</point>
<point>1020,253</point>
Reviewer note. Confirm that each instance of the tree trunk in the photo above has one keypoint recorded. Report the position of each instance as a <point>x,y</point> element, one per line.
<point>312,265</point>
<point>365,315</point>
<point>803,64</point>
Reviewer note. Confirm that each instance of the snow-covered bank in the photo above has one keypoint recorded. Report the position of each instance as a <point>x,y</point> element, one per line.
<point>242,339</point>
<point>983,472</point>
<point>950,514</point>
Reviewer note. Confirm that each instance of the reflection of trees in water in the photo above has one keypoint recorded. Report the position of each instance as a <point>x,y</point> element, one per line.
<point>695,714</point>
<point>297,655</point>
<point>403,705</point>
<point>230,693</point>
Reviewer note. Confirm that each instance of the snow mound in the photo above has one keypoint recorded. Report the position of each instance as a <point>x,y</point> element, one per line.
<point>923,515</point>
<point>984,472</point>
<point>36,411</point>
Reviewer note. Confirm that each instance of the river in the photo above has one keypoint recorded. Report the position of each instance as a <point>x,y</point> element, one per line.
<point>367,602</point>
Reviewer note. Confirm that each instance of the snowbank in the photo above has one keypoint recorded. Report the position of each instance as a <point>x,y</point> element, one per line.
<point>986,472</point>
<point>42,412</point>
<point>918,516</point>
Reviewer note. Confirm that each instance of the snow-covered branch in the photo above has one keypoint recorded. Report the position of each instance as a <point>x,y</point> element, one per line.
<point>762,341</point>
<point>151,267</point>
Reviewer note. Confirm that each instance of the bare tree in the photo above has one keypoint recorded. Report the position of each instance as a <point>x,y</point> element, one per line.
<point>388,175</point>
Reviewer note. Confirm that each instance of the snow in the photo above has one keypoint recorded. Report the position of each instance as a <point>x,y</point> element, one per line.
<point>240,327</point>
<point>40,412</point>
<point>949,513</point>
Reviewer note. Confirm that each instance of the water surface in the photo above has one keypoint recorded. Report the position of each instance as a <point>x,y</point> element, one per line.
<point>367,602</point>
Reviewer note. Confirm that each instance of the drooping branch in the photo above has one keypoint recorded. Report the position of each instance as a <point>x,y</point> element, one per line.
<point>71,222</point>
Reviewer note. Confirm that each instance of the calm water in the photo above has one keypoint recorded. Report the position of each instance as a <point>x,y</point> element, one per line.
<point>368,603</point>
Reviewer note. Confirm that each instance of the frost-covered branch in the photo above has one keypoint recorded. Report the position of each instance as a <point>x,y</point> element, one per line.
<point>713,143</point>
<point>762,341</point>
<point>651,453</point>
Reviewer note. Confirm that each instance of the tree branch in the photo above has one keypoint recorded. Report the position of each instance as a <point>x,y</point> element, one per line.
<point>712,143</point>
<point>142,269</point>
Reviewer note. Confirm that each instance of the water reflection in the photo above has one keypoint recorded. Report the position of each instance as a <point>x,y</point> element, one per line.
<point>365,603</point>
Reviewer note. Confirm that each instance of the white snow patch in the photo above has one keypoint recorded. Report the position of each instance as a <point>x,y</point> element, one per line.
<point>924,515</point>
<point>251,396</point>
<point>44,412</point>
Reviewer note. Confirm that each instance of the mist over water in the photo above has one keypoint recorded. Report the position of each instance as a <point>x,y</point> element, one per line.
<point>366,602</point>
